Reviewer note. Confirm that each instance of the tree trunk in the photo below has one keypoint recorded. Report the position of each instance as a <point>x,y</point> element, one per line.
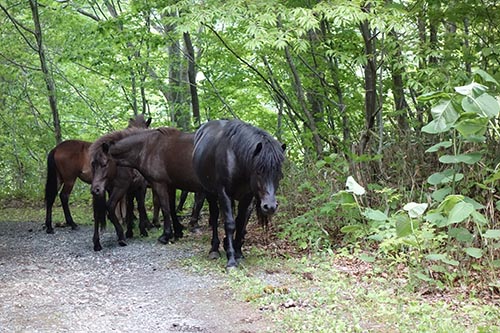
<point>49,81</point>
<point>370,75</point>
<point>195,104</point>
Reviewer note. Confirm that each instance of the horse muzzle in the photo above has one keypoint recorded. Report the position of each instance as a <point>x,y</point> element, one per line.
<point>97,191</point>
<point>268,207</point>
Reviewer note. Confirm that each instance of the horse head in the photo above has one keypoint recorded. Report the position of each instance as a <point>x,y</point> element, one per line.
<point>103,168</point>
<point>266,176</point>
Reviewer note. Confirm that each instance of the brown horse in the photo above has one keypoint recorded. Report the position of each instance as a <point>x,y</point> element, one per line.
<point>163,157</point>
<point>67,162</point>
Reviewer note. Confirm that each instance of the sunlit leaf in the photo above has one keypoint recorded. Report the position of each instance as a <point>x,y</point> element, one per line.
<point>354,187</point>
<point>415,209</point>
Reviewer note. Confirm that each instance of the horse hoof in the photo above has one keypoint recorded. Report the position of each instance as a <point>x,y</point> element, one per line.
<point>129,234</point>
<point>74,227</point>
<point>214,255</point>
<point>97,247</point>
<point>122,243</point>
<point>163,239</point>
<point>50,231</point>
<point>230,269</point>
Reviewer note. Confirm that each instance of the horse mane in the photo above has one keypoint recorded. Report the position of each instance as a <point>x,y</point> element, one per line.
<point>244,139</point>
<point>114,137</point>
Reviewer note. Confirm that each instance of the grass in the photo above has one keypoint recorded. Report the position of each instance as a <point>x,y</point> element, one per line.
<point>324,292</point>
<point>331,293</point>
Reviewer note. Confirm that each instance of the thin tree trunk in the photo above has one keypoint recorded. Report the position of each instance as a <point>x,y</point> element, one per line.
<point>49,81</point>
<point>370,75</point>
<point>195,104</point>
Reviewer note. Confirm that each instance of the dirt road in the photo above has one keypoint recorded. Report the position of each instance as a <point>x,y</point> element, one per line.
<point>57,283</point>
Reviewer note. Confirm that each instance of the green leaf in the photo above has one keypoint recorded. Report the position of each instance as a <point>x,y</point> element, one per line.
<point>441,257</point>
<point>468,89</point>
<point>444,177</point>
<point>436,147</point>
<point>444,116</point>
<point>436,219</point>
<point>474,252</point>
<point>461,234</point>
<point>492,233</point>
<point>366,258</point>
<point>460,212</point>
<point>485,76</point>
<point>440,194</point>
<point>354,187</point>
<point>415,209</point>
<point>351,228</point>
<point>404,226</point>
<point>469,158</point>
<point>485,105</point>
<point>375,215</point>
<point>472,128</point>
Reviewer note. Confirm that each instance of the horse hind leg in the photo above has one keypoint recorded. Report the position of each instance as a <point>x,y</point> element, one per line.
<point>52,186</point>
<point>115,196</point>
<point>64,196</point>
<point>213,219</point>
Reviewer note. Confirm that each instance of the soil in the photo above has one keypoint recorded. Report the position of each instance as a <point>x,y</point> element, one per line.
<point>57,283</point>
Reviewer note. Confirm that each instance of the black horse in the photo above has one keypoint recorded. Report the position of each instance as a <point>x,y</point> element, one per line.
<point>236,161</point>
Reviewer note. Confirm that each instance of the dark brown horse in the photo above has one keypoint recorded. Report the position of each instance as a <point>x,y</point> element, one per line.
<point>163,157</point>
<point>236,161</point>
<point>67,162</point>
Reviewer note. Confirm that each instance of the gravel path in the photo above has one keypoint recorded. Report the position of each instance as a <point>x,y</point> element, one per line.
<point>57,283</point>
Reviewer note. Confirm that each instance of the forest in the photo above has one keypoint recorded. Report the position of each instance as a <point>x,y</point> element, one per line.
<point>389,111</point>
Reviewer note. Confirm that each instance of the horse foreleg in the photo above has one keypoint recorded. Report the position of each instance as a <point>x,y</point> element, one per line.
<point>99,208</point>
<point>229,227</point>
<point>162,193</point>
<point>173,214</point>
<point>64,196</point>
<point>213,219</point>
<point>244,211</point>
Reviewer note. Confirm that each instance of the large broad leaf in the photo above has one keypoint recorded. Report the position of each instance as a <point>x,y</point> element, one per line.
<point>460,212</point>
<point>436,147</point>
<point>492,233</point>
<point>376,215</point>
<point>469,158</point>
<point>474,252</point>
<point>470,88</point>
<point>444,177</point>
<point>471,127</point>
<point>485,105</point>
<point>439,195</point>
<point>461,234</point>
<point>405,226</point>
<point>486,77</point>
<point>444,115</point>
<point>415,209</point>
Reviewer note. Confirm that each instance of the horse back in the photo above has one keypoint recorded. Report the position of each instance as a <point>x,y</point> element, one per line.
<point>72,160</point>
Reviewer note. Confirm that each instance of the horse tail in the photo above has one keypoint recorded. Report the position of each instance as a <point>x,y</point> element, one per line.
<point>51,183</point>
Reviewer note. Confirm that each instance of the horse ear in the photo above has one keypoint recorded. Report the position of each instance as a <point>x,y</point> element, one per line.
<point>283,146</point>
<point>258,148</point>
<point>105,147</point>
<point>148,122</point>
